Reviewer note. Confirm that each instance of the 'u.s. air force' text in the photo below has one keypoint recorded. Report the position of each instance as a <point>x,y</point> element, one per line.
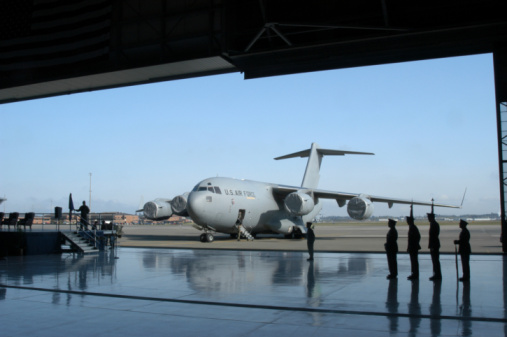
<point>247,194</point>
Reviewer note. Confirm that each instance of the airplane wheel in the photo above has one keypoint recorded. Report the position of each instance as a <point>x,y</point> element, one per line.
<point>203,237</point>
<point>210,237</point>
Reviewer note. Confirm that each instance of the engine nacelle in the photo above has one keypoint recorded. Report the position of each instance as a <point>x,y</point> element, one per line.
<point>298,204</point>
<point>179,204</point>
<point>360,208</point>
<point>284,226</point>
<point>158,209</point>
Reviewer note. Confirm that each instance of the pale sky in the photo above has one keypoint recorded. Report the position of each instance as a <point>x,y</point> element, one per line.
<point>431,125</point>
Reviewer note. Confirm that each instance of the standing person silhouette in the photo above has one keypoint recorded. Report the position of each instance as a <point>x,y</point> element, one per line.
<point>464,250</point>
<point>414,237</point>
<point>434,246</point>
<point>85,210</point>
<point>391,247</point>
<point>310,239</point>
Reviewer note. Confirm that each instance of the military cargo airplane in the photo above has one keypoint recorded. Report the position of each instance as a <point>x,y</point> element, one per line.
<point>246,208</point>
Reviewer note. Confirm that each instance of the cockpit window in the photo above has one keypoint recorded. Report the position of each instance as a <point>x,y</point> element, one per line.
<point>212,189</point>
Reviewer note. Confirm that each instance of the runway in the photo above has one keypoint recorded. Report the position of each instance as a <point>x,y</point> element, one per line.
<point>188,292</point>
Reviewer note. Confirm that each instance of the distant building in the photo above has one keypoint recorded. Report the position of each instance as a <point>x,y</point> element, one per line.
<point>173,220</point>
<point>116,217</point>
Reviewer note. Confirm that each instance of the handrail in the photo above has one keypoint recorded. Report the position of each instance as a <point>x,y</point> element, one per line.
<point>88,234</point>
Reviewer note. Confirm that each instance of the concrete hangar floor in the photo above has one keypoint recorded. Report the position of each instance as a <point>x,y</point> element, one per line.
<point>188,292</point>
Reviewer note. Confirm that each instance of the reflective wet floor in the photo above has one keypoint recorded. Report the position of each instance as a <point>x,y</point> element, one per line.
<point>174,292</point>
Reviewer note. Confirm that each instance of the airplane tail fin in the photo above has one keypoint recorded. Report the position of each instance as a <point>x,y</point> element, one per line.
<point>315,154</point>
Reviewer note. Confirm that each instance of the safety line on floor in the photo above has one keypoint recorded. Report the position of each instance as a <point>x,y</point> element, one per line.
<point>262,306</point>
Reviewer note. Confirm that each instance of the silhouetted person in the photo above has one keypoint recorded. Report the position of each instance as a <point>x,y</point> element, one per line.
<point>434,246</point>
<point>464,250</point>
<point>413,247</point>
<point>84,215</point>
<point>238,227</point>
<point>391,247</point>
<point>310,239</point>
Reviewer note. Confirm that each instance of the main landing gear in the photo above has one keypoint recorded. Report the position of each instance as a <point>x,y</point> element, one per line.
<point>207,237</point>
<point>296,234</point>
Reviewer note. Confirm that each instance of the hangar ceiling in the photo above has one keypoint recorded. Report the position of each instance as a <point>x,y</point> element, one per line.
<point>54,47</point>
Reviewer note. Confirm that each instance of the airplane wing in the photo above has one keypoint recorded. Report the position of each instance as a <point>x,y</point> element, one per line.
<point>342,197</point>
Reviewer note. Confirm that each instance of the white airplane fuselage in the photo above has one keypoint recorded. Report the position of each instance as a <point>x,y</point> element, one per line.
<point>215,203</point>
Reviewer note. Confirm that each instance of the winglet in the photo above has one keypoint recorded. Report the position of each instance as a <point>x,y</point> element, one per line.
<point>462,200</point>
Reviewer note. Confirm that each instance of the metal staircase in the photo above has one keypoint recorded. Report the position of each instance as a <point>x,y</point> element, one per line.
<point>246,234</point>
<point>77,243</point>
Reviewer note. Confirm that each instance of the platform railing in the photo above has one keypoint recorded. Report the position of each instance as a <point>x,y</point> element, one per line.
<point>48,222</point>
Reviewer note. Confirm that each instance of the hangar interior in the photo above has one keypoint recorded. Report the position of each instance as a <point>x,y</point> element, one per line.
<point>56,47</point>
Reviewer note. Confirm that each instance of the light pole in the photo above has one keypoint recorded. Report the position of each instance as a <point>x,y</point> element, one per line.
<point>90,200</point>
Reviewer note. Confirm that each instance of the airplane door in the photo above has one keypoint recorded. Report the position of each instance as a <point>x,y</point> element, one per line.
<point>241,215</point>
<point>247,222</point>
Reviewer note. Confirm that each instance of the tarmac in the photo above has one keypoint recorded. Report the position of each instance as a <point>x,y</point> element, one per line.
<point>340,237</point>
<point>129,291</point>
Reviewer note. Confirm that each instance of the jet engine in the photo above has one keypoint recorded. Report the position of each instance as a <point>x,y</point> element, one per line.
<point>158,209</point>
<point>179,204</point>
<point>298,204</point>
<point>360,208</point>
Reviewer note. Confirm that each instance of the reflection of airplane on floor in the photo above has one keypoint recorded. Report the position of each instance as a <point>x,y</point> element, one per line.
<point>215,204</point>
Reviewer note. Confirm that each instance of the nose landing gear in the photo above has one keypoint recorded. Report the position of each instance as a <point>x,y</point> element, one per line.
<point>206,237</point>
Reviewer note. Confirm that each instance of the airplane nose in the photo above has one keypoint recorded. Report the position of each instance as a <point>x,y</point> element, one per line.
<point>195,205</point>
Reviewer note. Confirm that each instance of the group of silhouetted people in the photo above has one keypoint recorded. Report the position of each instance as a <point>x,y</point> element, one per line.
<point>413,247</point>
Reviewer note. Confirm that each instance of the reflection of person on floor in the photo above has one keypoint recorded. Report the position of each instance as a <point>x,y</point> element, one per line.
<point>436,309</point>
<point>414,310</point>
<point>310,281</point>
<point>464,250</point>
<point>466,310</point>
<point>434,246</point>
<point>313,293</point>
<point>391,247</point>
<point>112,241</point>
<point>392,305</point>
<point>414,237</point>
<point>310,239</point>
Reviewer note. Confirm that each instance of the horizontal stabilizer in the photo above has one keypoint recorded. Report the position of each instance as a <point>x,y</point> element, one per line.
<point>315,154</point>
<point>306,153</point>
